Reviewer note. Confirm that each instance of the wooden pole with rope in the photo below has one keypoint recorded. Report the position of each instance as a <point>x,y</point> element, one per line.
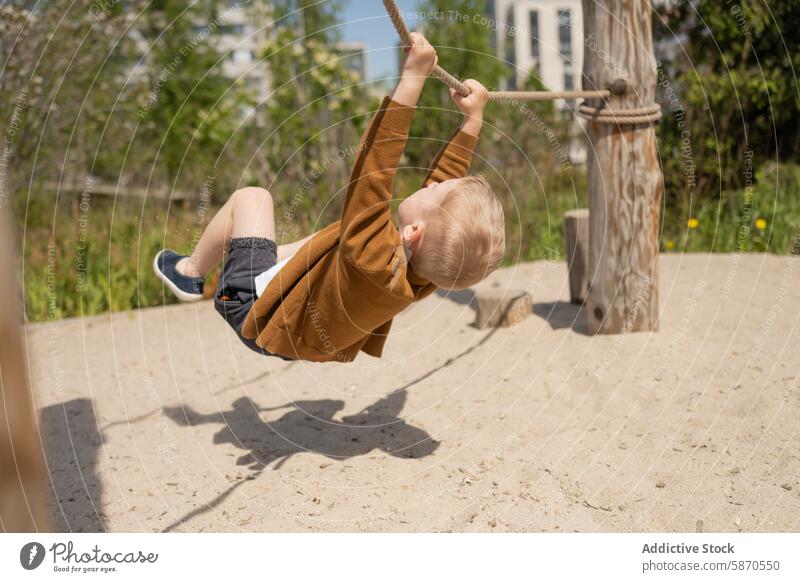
<point>625,180</point>
<point>626,184</point>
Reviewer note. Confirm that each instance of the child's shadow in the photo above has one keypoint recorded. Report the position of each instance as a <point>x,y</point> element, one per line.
<point>309,426</point>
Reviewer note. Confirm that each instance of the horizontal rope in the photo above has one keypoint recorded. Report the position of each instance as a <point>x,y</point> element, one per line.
<point>463,90</point>
<point>600,115</point>
<point>546,95</point>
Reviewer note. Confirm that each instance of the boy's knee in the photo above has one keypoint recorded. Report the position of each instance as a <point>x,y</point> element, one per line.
<point>254,195</point>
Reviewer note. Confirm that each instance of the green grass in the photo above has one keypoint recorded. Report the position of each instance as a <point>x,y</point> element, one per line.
<point>66,273</point>
<point>763,218</point>
<point>69,270</point>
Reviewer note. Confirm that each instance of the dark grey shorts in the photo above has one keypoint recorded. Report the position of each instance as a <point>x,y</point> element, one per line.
<point>245,259</point>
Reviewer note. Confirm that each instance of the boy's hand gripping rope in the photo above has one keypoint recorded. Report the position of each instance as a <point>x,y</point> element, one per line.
<point>602,114</point>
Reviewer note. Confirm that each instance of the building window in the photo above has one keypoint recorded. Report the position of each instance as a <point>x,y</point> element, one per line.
<point>232,29</point>
<point>511,57</point>
<point>490,15</point>
<point>565,33</point>
<point>569,77</point>
<point>534,21</point>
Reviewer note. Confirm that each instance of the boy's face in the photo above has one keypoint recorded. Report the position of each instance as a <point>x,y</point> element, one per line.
<point>416,208</point>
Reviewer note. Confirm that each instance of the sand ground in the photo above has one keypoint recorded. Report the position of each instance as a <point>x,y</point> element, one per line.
<point>160,420</point>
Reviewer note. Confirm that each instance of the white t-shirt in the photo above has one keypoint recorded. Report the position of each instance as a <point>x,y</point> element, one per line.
<point>264,278</point>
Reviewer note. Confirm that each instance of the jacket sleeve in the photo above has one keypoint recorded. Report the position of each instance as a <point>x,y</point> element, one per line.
<point>366,218</point>
<point>453,160</point>
<point>376,340</point>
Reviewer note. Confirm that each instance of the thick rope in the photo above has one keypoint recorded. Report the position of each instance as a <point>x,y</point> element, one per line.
<point>510,96</point>
<point>600,115</point>
<point>647,114</point>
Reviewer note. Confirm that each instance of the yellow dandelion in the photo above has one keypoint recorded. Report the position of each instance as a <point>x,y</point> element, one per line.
<point>669,244</point>
<point>761,224</point>
<point>693,223</point>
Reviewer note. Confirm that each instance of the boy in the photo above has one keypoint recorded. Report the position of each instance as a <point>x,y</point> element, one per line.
<point>333,294</point>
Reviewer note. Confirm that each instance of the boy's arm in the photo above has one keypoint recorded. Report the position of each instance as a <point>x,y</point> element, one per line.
<point>453,160</point>
<point>366,208</point>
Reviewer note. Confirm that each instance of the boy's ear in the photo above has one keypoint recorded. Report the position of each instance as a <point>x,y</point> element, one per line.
<point>412,236</point>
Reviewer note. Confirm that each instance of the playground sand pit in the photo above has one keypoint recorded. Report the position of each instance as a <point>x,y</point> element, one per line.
<point>161,420</point>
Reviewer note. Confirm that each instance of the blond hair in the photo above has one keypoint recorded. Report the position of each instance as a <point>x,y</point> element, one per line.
<point>464,239</point>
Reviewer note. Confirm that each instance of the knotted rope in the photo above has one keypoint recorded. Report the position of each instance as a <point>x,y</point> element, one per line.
<point>598,114</point>
<point>647,114</point>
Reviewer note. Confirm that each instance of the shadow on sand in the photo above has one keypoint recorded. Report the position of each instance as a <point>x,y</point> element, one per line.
<point>72,444</point>
<point>460,297</point>
<point>308,426</point>
<point>562,314</point>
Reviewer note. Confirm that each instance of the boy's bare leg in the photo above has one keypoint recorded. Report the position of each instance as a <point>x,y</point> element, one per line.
<point>289,249</point>
<point>247,213</point>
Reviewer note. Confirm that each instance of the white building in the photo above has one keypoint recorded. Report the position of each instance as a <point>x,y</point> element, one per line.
<point>240,41</point>
<point>541,36</point>
<point>544,38</point>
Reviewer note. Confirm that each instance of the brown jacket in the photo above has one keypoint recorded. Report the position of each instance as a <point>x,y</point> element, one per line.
<point>338,294</point>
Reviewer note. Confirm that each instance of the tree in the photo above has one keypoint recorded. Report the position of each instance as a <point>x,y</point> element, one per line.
<point>465,47</point>
<point>189,109</point>
<point>316,111</point>
<point>62,62</point>
<point>729,90</point>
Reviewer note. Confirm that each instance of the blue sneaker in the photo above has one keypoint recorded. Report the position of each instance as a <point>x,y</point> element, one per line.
<point>185,288</point>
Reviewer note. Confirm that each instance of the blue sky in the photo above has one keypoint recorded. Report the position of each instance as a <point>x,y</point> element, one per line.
<point>367,21</point>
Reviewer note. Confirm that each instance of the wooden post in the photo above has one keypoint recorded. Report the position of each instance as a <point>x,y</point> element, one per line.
<point>23,497</point>
<point>625,180</point>
<point>576,241</point>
